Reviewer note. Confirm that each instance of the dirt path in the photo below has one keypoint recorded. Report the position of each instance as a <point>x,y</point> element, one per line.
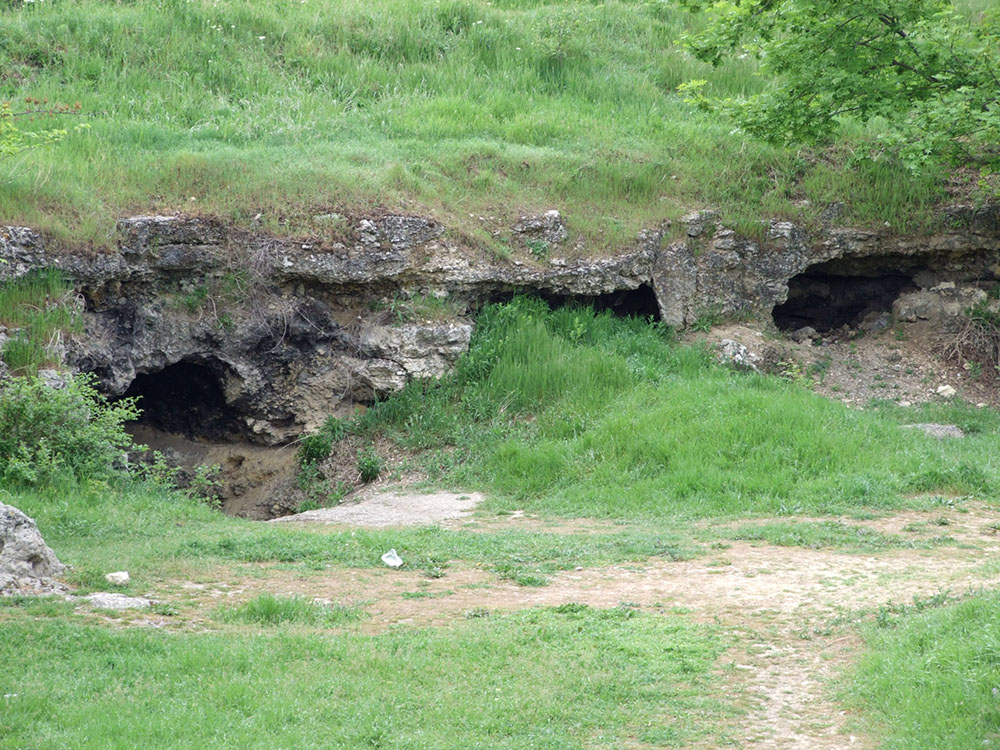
<point>790,611</point>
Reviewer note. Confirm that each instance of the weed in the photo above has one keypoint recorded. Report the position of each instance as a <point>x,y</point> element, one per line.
<point>38,309</point>
<point>538,248</point>
<point>49,433</point>
<point>268,609</point>
<point>370,465</point>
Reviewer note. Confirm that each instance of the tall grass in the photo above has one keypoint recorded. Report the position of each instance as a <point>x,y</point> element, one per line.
<point>578,413</point>
<point>37,309</point>
<point>463,107</point>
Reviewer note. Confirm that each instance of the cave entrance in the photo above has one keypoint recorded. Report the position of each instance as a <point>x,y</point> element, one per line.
<point>826,297</point>
<point>187,399</point>
<point>639,302</point>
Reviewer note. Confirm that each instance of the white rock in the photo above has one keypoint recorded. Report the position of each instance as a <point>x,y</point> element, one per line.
<point>392,559</point>
<point>105,600</point>
<point>118,578</point>
<point>946,391</point>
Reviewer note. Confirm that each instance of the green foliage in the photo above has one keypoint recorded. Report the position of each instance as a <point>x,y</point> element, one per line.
<point>465,108</point>
<point>930,682</point>
<point>268,609</point>
<point>497,681</point>
<point>571,412</point>
<point>48,433</point>
<point>39,308</point>
<point>918,68</point>
<point>14,140</point>
<point>369,464</point>
<point>315,448</point>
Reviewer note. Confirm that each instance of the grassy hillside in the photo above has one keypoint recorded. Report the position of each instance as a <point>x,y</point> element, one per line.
<point>460,107</point>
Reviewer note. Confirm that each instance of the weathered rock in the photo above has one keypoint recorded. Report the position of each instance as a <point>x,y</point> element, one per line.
<point>943,304</point>
<point>946,391</point>
<point>738,356</point>
<point>295,334</point>
<point>26,562</point>
<point>548,228</point>
<point>118,578</point>
<point>104,600</point>
<point>806,333</point>
<point>939,431</point>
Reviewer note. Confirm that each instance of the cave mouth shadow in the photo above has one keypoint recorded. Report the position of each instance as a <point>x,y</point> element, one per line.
<point>828,301</point>
<point>186,398</point>
<point>625,303</point>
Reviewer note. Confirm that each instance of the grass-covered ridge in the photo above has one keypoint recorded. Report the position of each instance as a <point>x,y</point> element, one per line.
<point>572,413</point>
<point>459,107</point>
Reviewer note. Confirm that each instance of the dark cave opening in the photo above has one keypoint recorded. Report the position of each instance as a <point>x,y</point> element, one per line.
<point>186,398</point>
<point>639,302</point>
<point>825,299</point>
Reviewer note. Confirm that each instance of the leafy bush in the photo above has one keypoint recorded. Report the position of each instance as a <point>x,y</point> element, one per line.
<point>369,464</point>
<point>314,449</point>
<point>74,431</point>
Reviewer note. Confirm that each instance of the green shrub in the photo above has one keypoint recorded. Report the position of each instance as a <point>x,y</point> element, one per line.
<point>314,449</point>
<point>268,609</point>
<point>369,464</point>
<point>74,431</point>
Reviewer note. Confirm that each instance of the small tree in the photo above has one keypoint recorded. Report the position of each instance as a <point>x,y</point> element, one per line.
<point>14,140</point>
<point>933,75</point>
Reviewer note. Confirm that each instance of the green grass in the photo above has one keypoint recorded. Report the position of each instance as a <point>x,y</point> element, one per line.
<point>570,413</point>
<point>930,680</point>
<point>556,678</point>
<point>38,306</point>
<point>154,534</point>
<point>294,110</point>
<point>268,609</point>
<point>825,535</point>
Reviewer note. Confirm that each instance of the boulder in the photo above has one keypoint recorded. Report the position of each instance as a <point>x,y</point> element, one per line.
<point>27,565</point>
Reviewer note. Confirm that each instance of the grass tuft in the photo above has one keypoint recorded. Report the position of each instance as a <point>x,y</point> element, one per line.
<point>269,609</point>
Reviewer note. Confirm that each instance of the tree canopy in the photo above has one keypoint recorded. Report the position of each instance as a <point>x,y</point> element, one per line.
<point>931,73</point>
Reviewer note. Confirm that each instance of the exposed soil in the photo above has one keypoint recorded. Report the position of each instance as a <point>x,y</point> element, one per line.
<point>253,481</point>
<point>902,364</point>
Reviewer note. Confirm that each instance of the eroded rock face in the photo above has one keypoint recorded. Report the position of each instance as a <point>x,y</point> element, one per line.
<point>27,565</point>
<point>289,331</point>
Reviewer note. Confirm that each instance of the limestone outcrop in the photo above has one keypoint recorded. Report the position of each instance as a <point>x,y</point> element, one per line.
<point>279,332</point>
<point>27,565</point>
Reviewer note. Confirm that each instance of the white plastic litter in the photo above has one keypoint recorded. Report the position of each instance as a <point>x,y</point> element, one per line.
<point>391,559</point>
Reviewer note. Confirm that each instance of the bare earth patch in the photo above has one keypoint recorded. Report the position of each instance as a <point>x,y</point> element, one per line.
<point>789,610</point>
<point>381,509</point>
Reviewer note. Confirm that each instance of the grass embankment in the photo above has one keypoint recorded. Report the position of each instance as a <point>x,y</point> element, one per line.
<point>570,413</point>
<point>460,108</point>
<point>37,310</point>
